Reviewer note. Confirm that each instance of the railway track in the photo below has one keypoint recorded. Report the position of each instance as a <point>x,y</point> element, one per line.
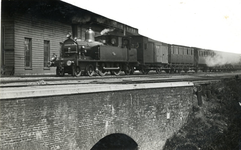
<point>122,79</point>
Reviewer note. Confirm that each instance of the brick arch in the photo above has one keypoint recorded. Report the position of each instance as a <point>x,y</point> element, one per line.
<point>133,134</point>
<point>116,140</point>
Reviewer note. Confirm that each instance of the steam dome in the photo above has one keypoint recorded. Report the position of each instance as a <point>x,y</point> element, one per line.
<point>89,35</point>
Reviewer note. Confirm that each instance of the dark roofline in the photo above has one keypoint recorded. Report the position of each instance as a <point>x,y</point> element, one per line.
<point>59,11</point>
<point>98,15</point>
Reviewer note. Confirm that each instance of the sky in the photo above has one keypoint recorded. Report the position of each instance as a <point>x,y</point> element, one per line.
<point>208,24</point>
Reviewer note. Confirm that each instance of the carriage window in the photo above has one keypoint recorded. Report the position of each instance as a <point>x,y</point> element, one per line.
<point>114,41</point>
<point>189,52</point>
<point>125,43</point>
<point>175,50</point>
<point>119,41</point>
<point>185,51</point>
<point>180,51</point>
<point>151,46</point>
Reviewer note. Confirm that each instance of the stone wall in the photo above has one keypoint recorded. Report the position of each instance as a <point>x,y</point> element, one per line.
<point>78,122</point>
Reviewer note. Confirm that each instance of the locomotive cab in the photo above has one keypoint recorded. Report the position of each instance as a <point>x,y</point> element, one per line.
<point>110,40</point>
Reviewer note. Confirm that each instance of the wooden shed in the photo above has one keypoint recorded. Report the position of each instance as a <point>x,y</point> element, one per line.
<point>33,30</point>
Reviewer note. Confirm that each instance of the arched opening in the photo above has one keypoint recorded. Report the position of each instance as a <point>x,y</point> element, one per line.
<point>116,141</point>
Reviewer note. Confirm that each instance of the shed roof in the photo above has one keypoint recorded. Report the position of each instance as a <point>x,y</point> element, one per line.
<point>60,11</point>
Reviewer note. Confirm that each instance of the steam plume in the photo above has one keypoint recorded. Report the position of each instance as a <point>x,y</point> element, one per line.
<point>105,31</point>
<point>83,19</point>
<point>222,58</point>
<point>100,19</point>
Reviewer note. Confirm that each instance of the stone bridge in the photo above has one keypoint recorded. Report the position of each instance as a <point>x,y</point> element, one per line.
<point>136,118</point>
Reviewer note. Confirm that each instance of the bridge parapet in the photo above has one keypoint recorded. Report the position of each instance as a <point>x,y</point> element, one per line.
<point>149,116</point>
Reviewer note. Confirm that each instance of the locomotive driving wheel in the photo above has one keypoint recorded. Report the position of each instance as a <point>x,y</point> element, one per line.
<point>77,71</point>
<point>116,72</point>
<point>101,71</point>
<point>158,70</point>
<point>60,71</point>
<point>90,70</point>
<point>129,70</point>
<point>145,71</point>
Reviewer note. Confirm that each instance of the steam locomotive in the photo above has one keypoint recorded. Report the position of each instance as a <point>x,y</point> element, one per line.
<point>114,54</point>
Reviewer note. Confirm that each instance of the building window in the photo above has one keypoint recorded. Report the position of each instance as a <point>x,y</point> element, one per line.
<point>28,52</point>
<point>46,53</point>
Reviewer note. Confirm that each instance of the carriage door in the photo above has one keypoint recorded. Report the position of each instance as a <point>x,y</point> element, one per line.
<point>162,53</point>
<point>149,53</point>
<point>164,49</point>
<point>158,53</point>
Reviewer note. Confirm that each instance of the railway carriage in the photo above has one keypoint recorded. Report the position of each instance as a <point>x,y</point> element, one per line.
<point>181,58</point>
<point>199,59</point>
<point>211,61</point>
<point>151,54</point>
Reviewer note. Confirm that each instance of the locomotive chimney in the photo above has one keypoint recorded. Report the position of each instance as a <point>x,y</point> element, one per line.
<point>89,35</point>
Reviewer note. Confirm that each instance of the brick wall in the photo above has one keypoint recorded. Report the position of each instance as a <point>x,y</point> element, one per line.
<point>78,122</point>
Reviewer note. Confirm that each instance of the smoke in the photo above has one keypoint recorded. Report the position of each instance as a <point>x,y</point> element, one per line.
<point>83,19</point>
<point>222,58</point>
<point>105,31</point>
<point>101,19</point>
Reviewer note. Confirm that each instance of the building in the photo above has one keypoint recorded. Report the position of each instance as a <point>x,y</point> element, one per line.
<point>33,30</point>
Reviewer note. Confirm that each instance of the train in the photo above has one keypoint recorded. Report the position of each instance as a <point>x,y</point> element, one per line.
<point>115,54</point>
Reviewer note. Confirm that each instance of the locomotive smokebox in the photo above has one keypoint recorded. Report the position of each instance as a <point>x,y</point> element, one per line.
<point>89,35</point>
